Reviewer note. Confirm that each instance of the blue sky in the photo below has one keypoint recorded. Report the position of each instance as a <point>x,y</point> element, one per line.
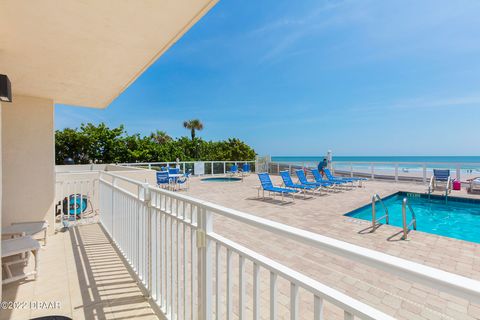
<point>300,77</point>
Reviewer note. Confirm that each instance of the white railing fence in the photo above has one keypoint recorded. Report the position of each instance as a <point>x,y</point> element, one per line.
<point>191,272</point>
<point>398,171</point>
<point>195,167</point>
<point>76,198</point>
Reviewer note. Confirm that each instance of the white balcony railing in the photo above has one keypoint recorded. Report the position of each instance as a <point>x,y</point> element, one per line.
<point>195,167</point>
<point>191,272</point>
<point>397,171</point>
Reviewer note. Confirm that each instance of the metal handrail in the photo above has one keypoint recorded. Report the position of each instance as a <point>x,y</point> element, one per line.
<point>431,186</point>
<point>375,221</point>
<point>413,222</point>
<point>447,188</point>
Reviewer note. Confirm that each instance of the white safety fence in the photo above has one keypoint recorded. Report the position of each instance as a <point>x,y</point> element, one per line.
<point>192,272</point>
<point>397,171</point>
<point>76,198</point>
<point>196,167</point>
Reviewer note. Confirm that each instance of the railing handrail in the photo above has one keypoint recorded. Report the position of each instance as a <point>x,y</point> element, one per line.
<point>180,162</point>
<point>331,295</point>
<point>416,272</point>
<point>375,220</point>
<point>413,220</point>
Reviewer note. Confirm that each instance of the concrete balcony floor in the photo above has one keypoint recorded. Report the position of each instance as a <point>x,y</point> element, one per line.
<point>85,278</point>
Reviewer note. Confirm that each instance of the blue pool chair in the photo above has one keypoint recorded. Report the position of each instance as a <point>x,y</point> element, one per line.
<point>163,180</point>
<point>302,178</point>
<point>245,168</point>
<point>267,185</point>
<point>350,180</point>
<point>233,170</point>
<point>336,183</point>
<point>173,170</point>
<point>288,182</point>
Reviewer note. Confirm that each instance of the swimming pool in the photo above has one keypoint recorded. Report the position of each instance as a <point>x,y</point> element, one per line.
<point>459,218</point>
<point>221,179</point>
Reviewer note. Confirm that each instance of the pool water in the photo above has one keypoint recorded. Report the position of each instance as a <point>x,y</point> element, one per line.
<point>459,218</point>
<point>221,179</point>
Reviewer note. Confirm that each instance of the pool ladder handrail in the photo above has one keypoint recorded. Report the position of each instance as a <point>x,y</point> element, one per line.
<point>375,221</point>
<point>431,187</point>
<point>413,222</point>
<point>447,188</point>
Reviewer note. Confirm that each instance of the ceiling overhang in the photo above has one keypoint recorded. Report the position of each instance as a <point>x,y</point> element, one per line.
<point>87,52</point>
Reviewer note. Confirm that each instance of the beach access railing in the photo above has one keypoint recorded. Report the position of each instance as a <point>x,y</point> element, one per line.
<point>397,171</point>
<point>195,167</point>
<point>192,272</point>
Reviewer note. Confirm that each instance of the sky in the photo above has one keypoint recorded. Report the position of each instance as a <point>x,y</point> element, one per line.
<point>360,77</point>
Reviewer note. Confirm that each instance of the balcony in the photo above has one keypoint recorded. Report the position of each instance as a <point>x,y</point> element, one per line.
<point>152,252</point>
<point>84,277</point>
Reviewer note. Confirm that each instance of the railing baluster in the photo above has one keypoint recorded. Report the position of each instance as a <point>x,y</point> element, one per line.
<point>171,263</point>
<point>229,285</point>
<point>241,287</point>
<point>178,246</point>
<point>273,296</point>
<point>317,308</point>
<point>293,301</point>
<point>167,263</point>
<point>185,262</point>
<point>205,246</point>
<point>158,270</point>
<point>193,250</point>
<point>218,278</point>
<point>256,291</point>
<point>163,247</point>
<point>347,315</point>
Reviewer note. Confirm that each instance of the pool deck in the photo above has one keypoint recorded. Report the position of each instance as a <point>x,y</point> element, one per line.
<point>325,215</point>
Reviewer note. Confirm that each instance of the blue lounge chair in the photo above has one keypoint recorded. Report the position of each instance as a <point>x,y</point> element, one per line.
<point>331,176</point>
<point>336,183</point>
<point>349,179</point>
<point>245,168</point>
<point>233,170</point>
<point>163,180</point>
<point>302,178</point>
<point>288,182</point>
<point>267,185</point>
<point>173,170</point>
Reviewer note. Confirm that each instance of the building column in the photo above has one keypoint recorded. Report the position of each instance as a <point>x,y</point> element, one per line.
<point>28,156</point>
<point>1,192</point>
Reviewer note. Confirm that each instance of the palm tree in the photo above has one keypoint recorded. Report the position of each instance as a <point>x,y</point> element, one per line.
<point>193,125</point>
<point>160,137</point>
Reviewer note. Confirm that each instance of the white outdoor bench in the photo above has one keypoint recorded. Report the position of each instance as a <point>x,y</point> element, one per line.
<point>19,246</point>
